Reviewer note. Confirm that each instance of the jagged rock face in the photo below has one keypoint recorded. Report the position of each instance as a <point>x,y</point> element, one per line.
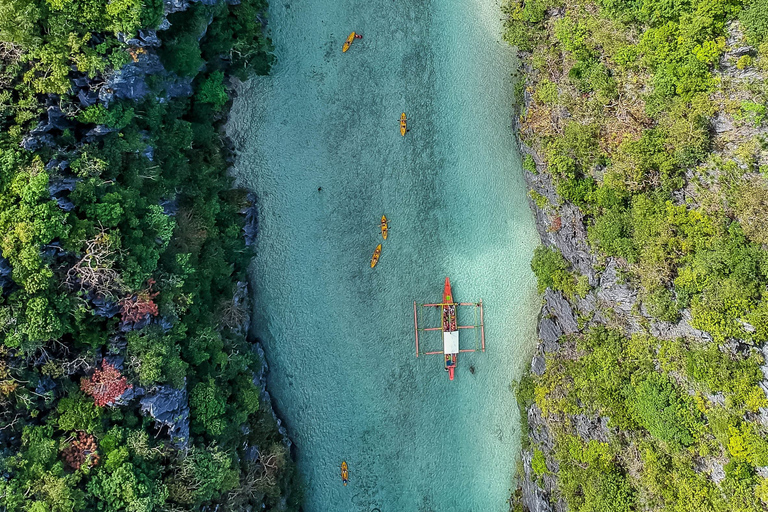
<point>620,297</point>
<point>5,273</point>
<point>571,237</point>
<point>549,333</point>
<point>55,120</point>
<point>534,498</point>
<point>169,407</point>
<point>557,306</point>
<point>763,418</point>
<point>589,428</point>
<point>35,142</point>
<point>128,83</point>
<point>682,329</point>
<point>144,39</point>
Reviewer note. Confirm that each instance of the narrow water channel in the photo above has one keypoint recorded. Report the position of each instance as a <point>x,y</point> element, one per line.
<point>320,146</point>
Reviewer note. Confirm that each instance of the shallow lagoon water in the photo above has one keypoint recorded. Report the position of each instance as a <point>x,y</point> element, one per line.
<point>339,335</point>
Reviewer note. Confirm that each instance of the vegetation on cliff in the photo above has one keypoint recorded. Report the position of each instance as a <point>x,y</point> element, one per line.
<point>126,382</point>
<point>650,117</point>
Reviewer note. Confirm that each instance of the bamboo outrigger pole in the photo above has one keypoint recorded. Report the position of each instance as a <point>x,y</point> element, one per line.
<point>416,328</point>
<point>482,327</point>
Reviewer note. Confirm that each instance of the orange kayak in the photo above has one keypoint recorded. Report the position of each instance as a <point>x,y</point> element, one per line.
<point>344,473</point>
<point>384,227</point>
<point>403,120</point>
<point>376,255</point>
<point>348,42</point>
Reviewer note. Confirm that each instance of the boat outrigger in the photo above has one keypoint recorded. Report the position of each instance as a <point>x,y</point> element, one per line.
<point>384,227</point>
<point>403,124</point>
<point>344,473</point>
<point>450,328</point>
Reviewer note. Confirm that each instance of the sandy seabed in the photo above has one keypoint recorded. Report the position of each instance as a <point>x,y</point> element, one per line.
<point>339,335</point>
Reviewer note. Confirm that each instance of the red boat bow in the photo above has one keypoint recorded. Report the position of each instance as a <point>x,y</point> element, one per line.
<point>447,295</point>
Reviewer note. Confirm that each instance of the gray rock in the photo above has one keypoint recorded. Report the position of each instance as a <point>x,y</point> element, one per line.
<point>746,325</point>
<point>55,120</point>
<point>59,184</point>
<point>87,98</point>
<point>557,306</point>
<point>549,333</point>
<point>5,273</point>
<point>741,51</point>
<point>592,428</point>
<point>682,329</point>
<point>144,39</point>
<point>250,228</point>
<point>104,307</point>
<point>169,407</point>
<point>129,81</point>
<point>65,204</point>
<point>587,304</point>
<point>533,497</point>
<point>34,142</point>
<point>620,297</point>
<point>260,380</point>
<point>170,206</point>
<point>178,87</point>
<point>538,365</point>
<point>538,431</point>
<point>99,131</point>
<point>711,467</point>
<point>172,6</point>
<point>722,123</point>
<point>241,300</point>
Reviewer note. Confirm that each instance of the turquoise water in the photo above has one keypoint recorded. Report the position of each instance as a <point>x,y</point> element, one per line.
<point>339,335</point>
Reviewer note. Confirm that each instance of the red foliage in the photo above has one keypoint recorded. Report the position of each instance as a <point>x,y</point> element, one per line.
<point>105,385</point>
<point>137,307</point>
<point>81,451</point>
<point>557,223</point>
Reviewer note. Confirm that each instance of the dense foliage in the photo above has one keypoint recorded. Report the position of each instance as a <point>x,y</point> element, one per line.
<point>120,251</point>
<point>650,117</point>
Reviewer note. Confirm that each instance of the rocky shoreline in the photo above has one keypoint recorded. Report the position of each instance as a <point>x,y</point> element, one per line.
<point>611,302</point>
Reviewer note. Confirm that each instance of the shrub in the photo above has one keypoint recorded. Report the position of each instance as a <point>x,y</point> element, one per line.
<point>105,385</point>
<point>539,463</point>
<point>744,62</point>
<point>551,270</point>
<point>661,410</point>
<point>207,404</point>
<point>529,164</point>
<point>611,232</point>
<point>213,91</point>
<point>81,451</point>
<point>754,19</point>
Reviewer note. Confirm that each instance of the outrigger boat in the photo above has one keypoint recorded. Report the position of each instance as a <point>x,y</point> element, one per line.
<point>376,255</point>
<point>450,328</point>
<point>348,43</point>
<point>344,473</point>
<point>384,227</point>
<point>403,124</point>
